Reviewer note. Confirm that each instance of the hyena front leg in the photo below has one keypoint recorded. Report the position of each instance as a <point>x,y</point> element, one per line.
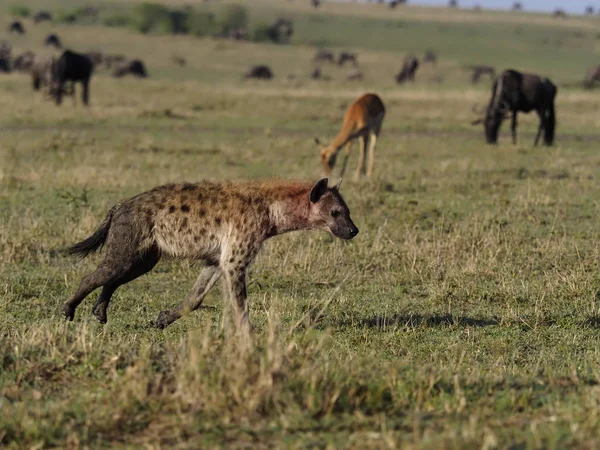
<point>203,284</point>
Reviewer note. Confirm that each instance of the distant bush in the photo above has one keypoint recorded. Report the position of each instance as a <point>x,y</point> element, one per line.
<point>175,22</point>
<point>233,17</point>
<point>262,33</point>
<point>63,16</point>
<point>19,11</point>
<point>202,24</point>
<point>150,16</point>
<point>118,20</point>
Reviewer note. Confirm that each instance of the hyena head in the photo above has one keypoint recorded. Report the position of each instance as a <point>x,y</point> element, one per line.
<point>328,211</point>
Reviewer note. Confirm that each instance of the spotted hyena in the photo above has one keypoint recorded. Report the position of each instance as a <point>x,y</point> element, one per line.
<point>222,224</point>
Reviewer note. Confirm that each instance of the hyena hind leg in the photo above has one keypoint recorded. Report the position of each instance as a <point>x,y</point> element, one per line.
<point>140,267</point>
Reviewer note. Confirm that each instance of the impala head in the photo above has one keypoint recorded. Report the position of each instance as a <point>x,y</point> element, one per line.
<point>328,210</point>
<point>328,157</point>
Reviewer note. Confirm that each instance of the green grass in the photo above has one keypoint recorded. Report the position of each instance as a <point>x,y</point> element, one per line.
<point>464,314</point>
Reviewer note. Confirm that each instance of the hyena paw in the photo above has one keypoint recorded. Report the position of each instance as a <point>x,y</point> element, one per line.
<point>68,311</point>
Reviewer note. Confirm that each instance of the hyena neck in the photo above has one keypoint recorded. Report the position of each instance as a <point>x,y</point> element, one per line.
<point>290,214</point>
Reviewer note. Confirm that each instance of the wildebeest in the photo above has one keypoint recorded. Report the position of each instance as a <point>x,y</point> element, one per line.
<point>42,16</point>
<point>24,61</point>
<point>409,68</point>
<point>589,10</point>
<point>135,67</point>
<point>513,92</point>
<point>261,72</point>
<point>324,56</point>
<point>430,57</point>
<point>559,13</point>
<point>517,6</point>
<point>592,77</point>
<point>480,70</point>
<point>16,27</point>
<point>71,67</point>
<point>52,40</point>
<point>5,57</point>
<point>315,3</point>
<point>347,57</point>
<point>453,4</point>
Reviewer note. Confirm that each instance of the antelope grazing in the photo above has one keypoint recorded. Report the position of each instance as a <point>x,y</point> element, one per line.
<point>515,91</point>
<point>362,121</point>
<point>222,224</point>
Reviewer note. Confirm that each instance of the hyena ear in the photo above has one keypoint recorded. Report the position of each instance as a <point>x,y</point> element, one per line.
<point>318,190</point>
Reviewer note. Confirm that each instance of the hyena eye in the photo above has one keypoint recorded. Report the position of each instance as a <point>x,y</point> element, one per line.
<point>335,213</point>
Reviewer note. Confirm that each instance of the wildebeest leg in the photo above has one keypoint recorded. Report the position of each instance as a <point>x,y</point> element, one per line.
<point>85,92</point>
<point>540,128</point>
<point>513,127</point>
<point>348,148</point>
<point>360,168</point>
<point>59,93</point>
<point>372,144</point>
<point>203,284</point>
<point>144,265</point>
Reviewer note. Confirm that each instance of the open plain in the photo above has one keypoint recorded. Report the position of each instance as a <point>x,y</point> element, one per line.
<point>466,313</point>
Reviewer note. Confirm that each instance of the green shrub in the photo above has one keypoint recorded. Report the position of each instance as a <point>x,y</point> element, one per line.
<point>175,22</point>
<point>118,20</point>
<point>233,17</point>
<point>63,16</point>
<point>150,16</point>
<point>262,33</point>
<point>202,23</point>
<point>19,11</point>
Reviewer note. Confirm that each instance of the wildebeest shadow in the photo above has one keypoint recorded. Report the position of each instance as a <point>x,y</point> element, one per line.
<point>419,320</point>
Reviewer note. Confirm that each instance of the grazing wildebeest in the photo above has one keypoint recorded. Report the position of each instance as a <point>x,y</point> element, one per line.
<point>430,57</point>
<point>517,6</point>
<point>513,92</point>
<point>347,57</point>
<point>135,67</point>
<point>42,16</point>
<point>324,56</point>
<point>480,70</point>
<point>71,67</point>
<point>559,13</point>
<point>261,72</point>
<point>24,61</point>
<point>592,77</point>
<point>52,40</point>
<point>16,27</point>
<point>409,68</point>
<point>223,225</point>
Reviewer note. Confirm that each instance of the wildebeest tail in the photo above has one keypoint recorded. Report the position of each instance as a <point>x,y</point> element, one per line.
<point>96,240</point>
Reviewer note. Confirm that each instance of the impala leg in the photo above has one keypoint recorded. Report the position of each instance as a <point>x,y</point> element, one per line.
<point>345,163</point>
<point>360,168</point>
<point>372,144</point>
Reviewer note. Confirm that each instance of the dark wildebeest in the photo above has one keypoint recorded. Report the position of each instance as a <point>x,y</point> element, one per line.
<point>315,3</point>
<point>324,56</point>
<point>52,40</point>
<point>430,57</point>
<point>5,57</point>
<point>347,57</point>
<point>589,10</point>
<point>480,70</point>
<point>517,6</point>
<point>559,13</point>
<point>16,27</point>
<point>135,67</point>
<point>409,68</point>
<point>261,72</point>
<point>592,77</point>
<point>453,4</point>
<point>24,62</point>
<point>71,67</point>
<point>42,16</point>
<point>513,92</point>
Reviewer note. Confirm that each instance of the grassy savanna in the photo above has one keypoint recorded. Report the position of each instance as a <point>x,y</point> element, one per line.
<point>464,314</point>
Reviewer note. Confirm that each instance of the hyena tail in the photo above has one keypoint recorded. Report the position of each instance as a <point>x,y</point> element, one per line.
<point>96,240</point>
